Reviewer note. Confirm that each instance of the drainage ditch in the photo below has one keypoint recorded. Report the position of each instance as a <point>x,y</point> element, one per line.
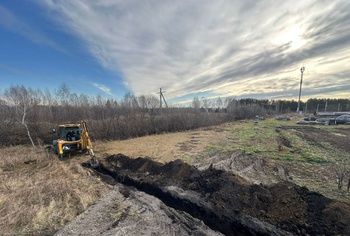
<point>225,203</point>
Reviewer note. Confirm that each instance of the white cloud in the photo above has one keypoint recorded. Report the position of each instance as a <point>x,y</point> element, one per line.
<point>103,88</point>
<point>232,48</point>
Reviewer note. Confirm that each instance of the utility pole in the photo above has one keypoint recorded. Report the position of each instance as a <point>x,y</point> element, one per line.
<point>302,69</point>
<point>161,98</point>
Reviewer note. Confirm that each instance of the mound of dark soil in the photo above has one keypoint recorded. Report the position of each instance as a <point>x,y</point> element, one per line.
<point>229,204</point>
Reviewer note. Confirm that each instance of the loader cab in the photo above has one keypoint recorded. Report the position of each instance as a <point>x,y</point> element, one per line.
<point>69,132</point>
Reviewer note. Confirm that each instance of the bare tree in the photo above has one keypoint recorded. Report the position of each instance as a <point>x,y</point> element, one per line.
<point>219,103</point>
<point>63,94</point>
<point>206,103</point>
<point>196,103</point>
<point>231,104</point>
<point>130,101</point>
<point>341,168</point>
<point>23,100</point>
<point>151,102</point>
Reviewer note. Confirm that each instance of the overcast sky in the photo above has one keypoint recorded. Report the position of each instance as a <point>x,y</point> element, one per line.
<point>247,48</point>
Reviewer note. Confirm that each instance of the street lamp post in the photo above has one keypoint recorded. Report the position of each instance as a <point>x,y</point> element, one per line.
<point>302,69</point>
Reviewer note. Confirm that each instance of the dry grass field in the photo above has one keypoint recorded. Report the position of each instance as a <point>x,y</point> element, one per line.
<point>165,147</point>
<point>39,193</point>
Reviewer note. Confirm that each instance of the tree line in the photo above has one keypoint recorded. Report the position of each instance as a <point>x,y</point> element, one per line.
<point>28,115</point>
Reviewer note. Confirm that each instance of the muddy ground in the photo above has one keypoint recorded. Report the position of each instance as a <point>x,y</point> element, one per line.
<point>229,204</point>
<point>235,195</point>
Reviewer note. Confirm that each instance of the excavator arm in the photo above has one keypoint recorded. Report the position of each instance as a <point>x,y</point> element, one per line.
<point>87,145</point>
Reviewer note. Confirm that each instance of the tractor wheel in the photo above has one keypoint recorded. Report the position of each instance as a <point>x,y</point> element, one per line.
<point>54,146</point>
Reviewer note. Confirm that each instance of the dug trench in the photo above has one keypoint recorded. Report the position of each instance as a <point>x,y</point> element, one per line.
<point>229,204</point>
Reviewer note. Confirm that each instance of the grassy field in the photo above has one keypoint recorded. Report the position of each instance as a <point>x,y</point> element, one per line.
<point>263,140</point>
<point>39,193</point>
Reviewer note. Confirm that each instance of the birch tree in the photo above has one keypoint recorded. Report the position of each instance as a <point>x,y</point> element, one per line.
<point>23,100</point>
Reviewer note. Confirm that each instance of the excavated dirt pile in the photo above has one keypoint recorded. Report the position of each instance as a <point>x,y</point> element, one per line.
<point>229,204</point>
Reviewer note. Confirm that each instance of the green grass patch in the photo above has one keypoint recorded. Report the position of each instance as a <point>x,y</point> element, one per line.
<point>261,139</point>
<point>222,149</point>
<point>254,138</point>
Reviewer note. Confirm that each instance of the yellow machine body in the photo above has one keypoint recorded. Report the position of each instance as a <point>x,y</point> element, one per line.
<point>72,138</point>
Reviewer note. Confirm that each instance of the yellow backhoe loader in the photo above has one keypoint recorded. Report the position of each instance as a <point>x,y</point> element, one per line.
<point>73,138</point>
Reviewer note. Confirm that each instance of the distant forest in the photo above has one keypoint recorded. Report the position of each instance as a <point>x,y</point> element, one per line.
<point>26,111</point>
